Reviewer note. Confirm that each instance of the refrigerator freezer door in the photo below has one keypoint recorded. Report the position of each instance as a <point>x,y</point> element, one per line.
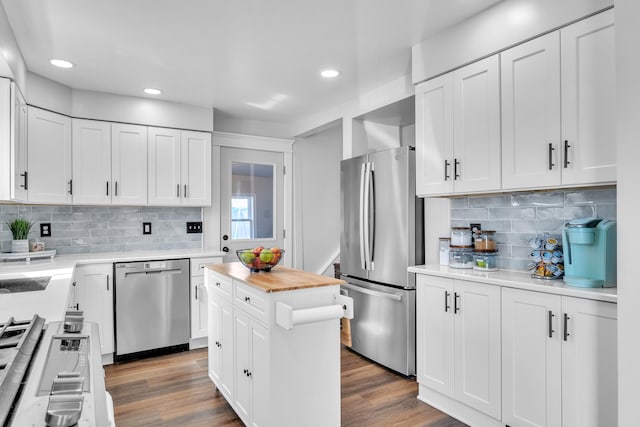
<point>352,260</point>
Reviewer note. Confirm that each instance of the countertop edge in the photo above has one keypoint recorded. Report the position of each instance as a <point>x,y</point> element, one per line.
<point>517,280</point>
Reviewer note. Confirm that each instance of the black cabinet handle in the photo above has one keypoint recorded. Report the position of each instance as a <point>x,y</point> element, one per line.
<point>196,291</point>
<point>177,190</point>
<point>456,305</point>
<point>107,188</point>
<point>551,150</point>
<point>116,189</point>
<point>566,153</point>
<point>185,191</point>
<point>446,170</point>
<point>566,327</point>
<point>70,186</point>
<point>218,284</point>
<point>551,331</point>
<point>456,163</point>
<point>446,301</point>
<point>26,180</point>
<point>247,299</point>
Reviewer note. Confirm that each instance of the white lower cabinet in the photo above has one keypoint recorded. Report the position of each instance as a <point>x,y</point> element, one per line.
<point>198,299</point>
<point>94,296</point>
<point>458,342</point>
<point>221,345</point>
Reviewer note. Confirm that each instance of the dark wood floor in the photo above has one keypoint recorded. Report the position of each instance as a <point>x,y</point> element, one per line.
<point>174,390</point>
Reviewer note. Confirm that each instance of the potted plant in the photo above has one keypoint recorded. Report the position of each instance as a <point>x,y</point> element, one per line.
<point>20,229</point>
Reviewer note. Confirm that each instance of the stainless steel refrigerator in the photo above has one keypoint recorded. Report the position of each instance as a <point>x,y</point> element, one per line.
<point>381,235</point>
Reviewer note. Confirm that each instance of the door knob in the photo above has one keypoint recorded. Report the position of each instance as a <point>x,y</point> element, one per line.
<point>225,249</point>
<point>225,237</point>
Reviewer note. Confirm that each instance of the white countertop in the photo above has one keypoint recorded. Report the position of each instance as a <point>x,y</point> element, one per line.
<point>519,280</point>
<point>51,303</point>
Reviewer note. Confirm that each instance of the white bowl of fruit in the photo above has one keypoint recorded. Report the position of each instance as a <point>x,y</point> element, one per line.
<point>259,258</point>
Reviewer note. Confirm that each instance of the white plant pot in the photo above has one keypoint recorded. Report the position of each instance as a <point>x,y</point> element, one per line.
<point>20,246</point>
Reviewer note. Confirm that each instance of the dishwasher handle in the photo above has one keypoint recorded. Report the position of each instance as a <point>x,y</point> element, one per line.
<point>147,272</point>
<point>371,292</point>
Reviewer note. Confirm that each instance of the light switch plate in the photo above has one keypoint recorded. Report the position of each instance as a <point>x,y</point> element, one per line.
<point>194,227</point>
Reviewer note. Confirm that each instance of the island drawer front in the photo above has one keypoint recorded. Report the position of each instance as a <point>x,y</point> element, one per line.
<point>198,264</point>
<point>253,301</point>
<point>222,285</point>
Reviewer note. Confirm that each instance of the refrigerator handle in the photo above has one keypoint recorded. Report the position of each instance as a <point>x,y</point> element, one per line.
<point>361,217</point>
<point>366,219</point>
<point>372,215</point>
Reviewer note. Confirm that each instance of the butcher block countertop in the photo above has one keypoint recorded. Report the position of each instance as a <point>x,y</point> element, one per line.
<point>277,280</point>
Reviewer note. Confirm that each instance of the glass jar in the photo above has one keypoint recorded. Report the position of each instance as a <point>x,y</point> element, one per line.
<point>461,237</point>
<point>461,257</point>
<point>443,245</point>
<point>485,240</point>
<point>485,261</point>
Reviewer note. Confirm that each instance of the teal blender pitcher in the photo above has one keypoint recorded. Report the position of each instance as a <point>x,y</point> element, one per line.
<point>590,253</point>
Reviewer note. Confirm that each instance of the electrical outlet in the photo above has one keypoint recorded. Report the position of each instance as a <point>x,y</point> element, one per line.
<point>475,227</point>
<point>146,228</point>
<point>45,229</point>
<point>194,227</point>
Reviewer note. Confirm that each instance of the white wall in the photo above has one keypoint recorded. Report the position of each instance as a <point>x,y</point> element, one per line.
<point>45,93</point>
<point>317,199</point>
<point>11,61</point>
<point>628,129</point>
<point>230,124</point>
<point>507,23</point>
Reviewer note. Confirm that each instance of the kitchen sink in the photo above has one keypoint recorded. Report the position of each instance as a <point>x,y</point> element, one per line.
<point>26,284</point>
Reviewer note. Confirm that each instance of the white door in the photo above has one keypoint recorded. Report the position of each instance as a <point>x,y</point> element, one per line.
<point>251,200</point>
<point>129,164</point>
<point>476,131</point>
<point>164,167</point>
<point>434,136</point>
<point>477,346</point>
<point>589,363</point>
<point>530,82</point>
<point>531,359</point>
<point>434,333</point>
<point>49,157</point>
<point>588,100</point>
<point>19,145</point>
<point>196,168</point>
<point>227,369</point>
<point>91,162</point>
<point>94,287</point>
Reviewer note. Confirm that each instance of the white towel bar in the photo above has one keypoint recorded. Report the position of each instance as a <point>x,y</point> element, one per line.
<point>287,317</point>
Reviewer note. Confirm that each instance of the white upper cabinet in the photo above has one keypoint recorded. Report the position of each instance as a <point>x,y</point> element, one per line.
<point>49,157</point>
<point>196,168</point>
<point>531,113</point>
<point>164,166</point>
<point>588,101</point>
<point>19,129</point>
<point>458,131</point>
<point>129,164</point>
<point>91,162</point>
<point>179,167</point>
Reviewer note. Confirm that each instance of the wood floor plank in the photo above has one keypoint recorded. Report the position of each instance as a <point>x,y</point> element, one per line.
<point>175,390</point>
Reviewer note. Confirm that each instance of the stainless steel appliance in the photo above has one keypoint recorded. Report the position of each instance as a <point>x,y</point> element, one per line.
<point>151,307</point>
<point>50,376</point>
<point>381,236</point>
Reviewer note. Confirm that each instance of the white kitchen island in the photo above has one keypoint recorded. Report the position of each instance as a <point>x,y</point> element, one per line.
<point>274,344</point>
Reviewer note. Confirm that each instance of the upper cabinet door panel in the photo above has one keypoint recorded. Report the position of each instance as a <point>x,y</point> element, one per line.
<point>196,168</point>
<point>530,77</point>
<point>91,162</point>
<point>588,100</point>
<point>164,166</point>
<point>18,145</point>
<point>476,118</point>
<point>434,136</point>
<point>49,157</point>
<point>129,164</point>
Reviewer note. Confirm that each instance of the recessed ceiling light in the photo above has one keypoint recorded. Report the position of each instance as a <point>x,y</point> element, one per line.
<point>61,63</point>
<point>329,74</point>
<point>152,91</point>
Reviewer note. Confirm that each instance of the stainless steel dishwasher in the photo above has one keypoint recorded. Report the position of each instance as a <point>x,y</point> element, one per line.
<point>151,307</point>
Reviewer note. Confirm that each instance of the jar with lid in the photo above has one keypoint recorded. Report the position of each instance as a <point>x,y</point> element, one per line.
<point>461,237</point>
<point>461,258</point>
<point>485,240</point>
<point>444,244</point>
<point>485,261</point>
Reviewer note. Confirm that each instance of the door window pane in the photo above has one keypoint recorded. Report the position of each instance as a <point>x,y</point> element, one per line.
<point>252,201</point>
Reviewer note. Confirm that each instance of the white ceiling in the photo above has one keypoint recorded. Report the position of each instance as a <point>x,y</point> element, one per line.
<point>250,59</point>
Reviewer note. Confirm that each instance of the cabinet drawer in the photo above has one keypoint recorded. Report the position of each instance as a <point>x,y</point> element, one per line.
<point>251,300</point>
<point>220,284</point>
<point>198,264</point>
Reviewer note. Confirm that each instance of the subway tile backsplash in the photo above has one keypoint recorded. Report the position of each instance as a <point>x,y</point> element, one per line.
<point>517,217</point>
<point>95,229</point>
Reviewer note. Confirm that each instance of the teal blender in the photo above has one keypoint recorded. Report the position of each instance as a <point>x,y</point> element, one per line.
<point>590,253</point>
